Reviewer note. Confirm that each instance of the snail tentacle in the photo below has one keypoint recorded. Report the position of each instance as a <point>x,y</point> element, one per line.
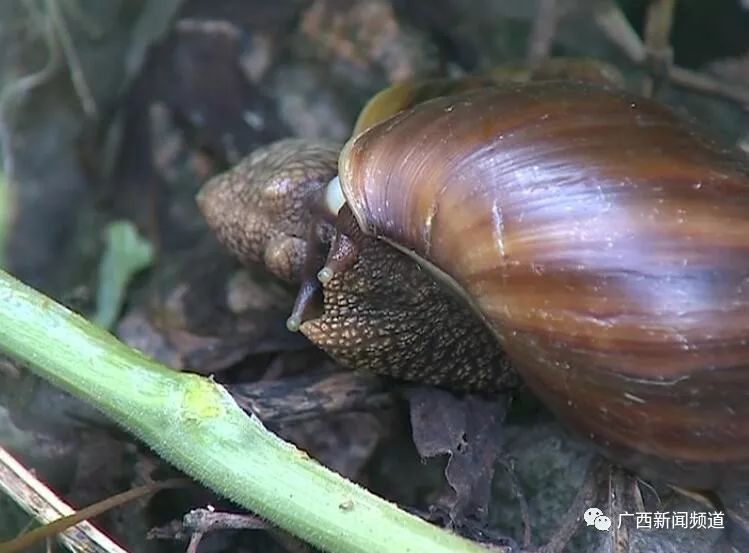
<point>306,303</point>
<point>342,255</point>
<point>309,290</point>
<point>344,250</point>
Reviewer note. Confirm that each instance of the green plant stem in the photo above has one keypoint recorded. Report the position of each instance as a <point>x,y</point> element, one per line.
<point>194,424</point>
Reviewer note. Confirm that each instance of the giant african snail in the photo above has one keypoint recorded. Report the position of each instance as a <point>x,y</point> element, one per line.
<point>599,241</point>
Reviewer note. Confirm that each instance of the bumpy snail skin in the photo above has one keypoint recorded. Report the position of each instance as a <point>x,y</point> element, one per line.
<point>384,314</point>
<point>605,241</point>
<point>261,208</point>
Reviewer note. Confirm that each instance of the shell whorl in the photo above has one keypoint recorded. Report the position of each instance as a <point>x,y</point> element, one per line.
<point>604,239</point>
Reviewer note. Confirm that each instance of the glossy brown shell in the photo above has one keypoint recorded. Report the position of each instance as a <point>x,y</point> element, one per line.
<point>406,94</point>
<point>606,242</point>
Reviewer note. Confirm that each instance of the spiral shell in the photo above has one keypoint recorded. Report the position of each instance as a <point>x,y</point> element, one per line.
<point>603,239</point>
<point>406,94</point>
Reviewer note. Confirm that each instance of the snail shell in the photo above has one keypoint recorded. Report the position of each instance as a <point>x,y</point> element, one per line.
<point>406,94</point>
<point>605,242</point>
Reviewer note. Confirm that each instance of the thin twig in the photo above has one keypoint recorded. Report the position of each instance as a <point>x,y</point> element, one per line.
<point>699,82</point>
<point>614,24</point>
<point>77,75</point>
<point>586,496</point>
<point>66,523</point>
<point>208,520</point>
<point>660,16</point>
<point>617,28</point>
<point>619,499</point>
<point>544,29</point>
<point>52,529</point>
<point>199,522</point>
<point>517,489</point>
<point>22,86</point>
<point>658,24</point>
<point>39,501</point>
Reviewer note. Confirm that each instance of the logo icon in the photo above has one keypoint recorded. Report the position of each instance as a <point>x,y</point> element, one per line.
<point>595,517</point>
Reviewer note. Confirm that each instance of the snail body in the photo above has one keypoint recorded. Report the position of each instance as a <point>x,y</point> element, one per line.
<point>598,237</point>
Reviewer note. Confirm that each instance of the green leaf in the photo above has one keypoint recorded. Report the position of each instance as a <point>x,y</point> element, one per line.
<point>126,254</point>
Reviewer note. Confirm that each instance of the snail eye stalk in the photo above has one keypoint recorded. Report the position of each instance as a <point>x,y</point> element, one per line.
<point>343,253</point>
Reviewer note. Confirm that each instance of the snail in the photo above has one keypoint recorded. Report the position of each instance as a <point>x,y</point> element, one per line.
<point>593,243</point>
